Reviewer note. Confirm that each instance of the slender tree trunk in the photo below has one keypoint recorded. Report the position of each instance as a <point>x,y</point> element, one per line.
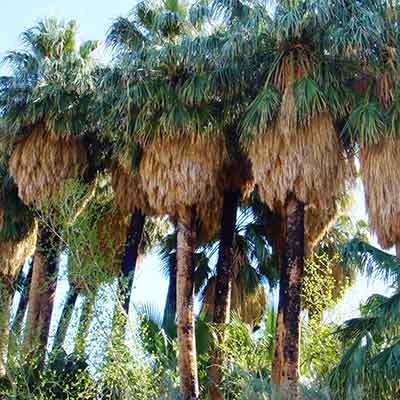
<point>170,304</point>
<point>187,360</point>
<point>84,325</point>
<point>125,281</point>
<point>65,318</point>
<point>16,326</point>
<point>223,290</point>
<point>398,250</point>
<point>134,237</point>
<point>42,293</point>
<point>285,363</point>
<point>6,293</point>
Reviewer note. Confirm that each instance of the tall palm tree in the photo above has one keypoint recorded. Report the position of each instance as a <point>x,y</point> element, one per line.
<point>45,103</point>
<point>373,124</point>
<point>173,137</point>
<point>17,242</point>
<point>298,159</point>
<point>226,82</point>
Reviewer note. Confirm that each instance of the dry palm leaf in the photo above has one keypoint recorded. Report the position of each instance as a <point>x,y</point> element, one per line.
<point>316,224</point>
<point>128,189</point>
<point>180,172</point>
<point>381,179</point>
<point>310,163</point>
<point>42,161</point>
<point>238,176</point>
<point>14,253</point>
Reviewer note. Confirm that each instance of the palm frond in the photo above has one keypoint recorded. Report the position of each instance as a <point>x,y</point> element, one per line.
<point>375,262</point>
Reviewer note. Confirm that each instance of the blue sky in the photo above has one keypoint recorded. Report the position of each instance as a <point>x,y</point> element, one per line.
<point>94,18</point>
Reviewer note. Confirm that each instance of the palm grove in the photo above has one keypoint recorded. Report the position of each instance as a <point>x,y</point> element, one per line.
<point>225,129</point>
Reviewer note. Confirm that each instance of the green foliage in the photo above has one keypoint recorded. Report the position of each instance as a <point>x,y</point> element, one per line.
<point>366,124</point>
<point>52,82</point>
<point>319,285</point>
<point>320,350</point>
<point>373,261</point>
<point>370,364</point>
<point>247,360</point>
<point>309,99</point>
<point>64,377</point>
<point>79,216</point>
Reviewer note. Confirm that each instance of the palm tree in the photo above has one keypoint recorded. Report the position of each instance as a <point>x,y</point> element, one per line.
<point>173,137</point>
<point>373,125</point>
<point>225,81</point>
<point>298,159</point>
<point>45,103</point>
<point>17,242</point>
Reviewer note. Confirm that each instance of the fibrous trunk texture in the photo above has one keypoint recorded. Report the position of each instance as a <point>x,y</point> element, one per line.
<point>223,289</point>
<point>187,360</point>
<point>129,260</point>
<point>380,174</point>
<point>5,303</point>
<point>65,318</point>
<point>42,161</point>
<point>285,363</point>
<point>42,293</point>
<point>170,304</point>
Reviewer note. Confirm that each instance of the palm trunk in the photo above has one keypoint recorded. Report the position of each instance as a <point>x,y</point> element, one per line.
<point>223,289</point>
<point>170,304</point>
<point>187,360</point>
<point>125,281</point>
<point>134,237</point>
<point>22,305</point>
<point>6,293</point>
<point>285,363</point>
<point>65,318</point>
<point>41,294</point>
<point>84,325</point>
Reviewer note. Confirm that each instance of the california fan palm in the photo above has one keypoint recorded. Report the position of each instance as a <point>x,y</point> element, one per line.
<point>298,159</point>
<point>45,103</point>
<point>181,155</point>
<point>373,125</point>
